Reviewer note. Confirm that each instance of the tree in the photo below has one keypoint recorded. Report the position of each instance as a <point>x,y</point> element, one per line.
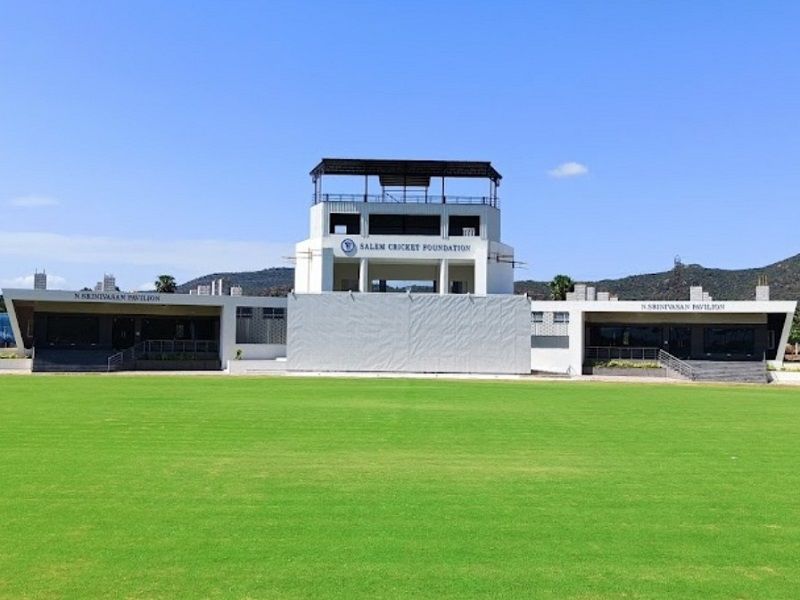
<point>165,284</point>
<point>560,285</point>
<point>794,335</point>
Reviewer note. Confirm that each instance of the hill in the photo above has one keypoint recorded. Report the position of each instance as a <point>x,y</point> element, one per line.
<point>724,284</point>
<point>277,281</point>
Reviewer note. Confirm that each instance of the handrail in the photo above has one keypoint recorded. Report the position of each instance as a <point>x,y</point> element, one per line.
<point>676,364</point>
<point>415,198</point>
<point>120,358</point>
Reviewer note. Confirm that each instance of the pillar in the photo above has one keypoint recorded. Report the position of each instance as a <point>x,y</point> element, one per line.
<point>444,276</point>
<point>363,275</point>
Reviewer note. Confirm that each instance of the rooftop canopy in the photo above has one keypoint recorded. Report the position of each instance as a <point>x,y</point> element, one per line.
<point>417,171</point>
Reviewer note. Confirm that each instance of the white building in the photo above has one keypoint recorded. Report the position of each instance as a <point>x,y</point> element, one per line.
<point>109,284</point>
<point>567,337</point>
<point>404,230</point>
<point>396,277</point>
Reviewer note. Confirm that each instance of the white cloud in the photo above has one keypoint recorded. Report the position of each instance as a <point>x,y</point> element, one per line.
<point>33,201</point>
<point>568,169</point>
<point>186,256</point>
<point>54,282</point>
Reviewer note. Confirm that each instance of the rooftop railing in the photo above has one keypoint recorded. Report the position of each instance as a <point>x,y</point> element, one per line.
<point>401,198</point>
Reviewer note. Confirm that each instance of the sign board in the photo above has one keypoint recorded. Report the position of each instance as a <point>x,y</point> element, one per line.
<point>682,307</point>
<point>351,248</point>
<point>118,297</point>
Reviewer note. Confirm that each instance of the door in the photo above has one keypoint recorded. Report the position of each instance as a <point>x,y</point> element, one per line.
<point>680,342</point>
<point>123,331</point>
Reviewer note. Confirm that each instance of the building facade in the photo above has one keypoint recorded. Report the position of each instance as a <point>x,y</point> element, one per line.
<point>400,234</point>
<point>408,273</point>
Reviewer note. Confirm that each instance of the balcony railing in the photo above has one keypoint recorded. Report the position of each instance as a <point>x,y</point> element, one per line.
<point>400,198</point>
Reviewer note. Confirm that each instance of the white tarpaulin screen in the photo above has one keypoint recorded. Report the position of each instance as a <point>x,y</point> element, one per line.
<point>409,333</point>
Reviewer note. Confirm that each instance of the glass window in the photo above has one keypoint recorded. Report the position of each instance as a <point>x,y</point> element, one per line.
<point>626,336</point>
<point>561,317</point>
<point>244,312</point>
<point>537,317</point>
<point>729,340</point>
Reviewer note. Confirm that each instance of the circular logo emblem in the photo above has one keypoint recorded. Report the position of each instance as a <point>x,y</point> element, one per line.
<point>348,246</point>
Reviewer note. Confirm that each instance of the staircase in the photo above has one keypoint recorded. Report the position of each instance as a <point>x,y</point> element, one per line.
<point>729,371</point>
<point>70,361</point>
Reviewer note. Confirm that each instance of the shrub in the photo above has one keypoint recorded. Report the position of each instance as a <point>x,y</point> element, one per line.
<point>628,364</point>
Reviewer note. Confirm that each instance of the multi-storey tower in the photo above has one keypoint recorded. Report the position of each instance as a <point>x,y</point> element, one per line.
<point>421,225</point>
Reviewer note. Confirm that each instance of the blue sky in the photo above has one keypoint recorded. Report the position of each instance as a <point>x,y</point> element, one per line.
<point>147,137</point>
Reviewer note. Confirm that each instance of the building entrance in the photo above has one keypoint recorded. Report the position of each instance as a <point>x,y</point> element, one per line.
<point>680,342</point>
<point>123,332</point>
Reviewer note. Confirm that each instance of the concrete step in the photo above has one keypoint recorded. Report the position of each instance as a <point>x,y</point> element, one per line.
<point>733,371</point>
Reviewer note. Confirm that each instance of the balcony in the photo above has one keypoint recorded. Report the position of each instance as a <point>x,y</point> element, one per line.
<point>408,198</point>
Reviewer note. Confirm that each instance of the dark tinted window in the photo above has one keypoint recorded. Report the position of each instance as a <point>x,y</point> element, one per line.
<point>404,224</point>
<point>458,223</point>
<point>349,224</point>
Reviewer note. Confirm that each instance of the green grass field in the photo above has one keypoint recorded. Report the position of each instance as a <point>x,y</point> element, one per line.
<point>180,487</point>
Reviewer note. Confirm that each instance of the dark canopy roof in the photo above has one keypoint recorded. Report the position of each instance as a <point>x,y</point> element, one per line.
<point>406,168</point>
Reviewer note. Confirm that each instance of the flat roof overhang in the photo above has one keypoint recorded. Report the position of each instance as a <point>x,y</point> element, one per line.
<point>132,300</point>
<point>656,307</point>
<point>407,169</point>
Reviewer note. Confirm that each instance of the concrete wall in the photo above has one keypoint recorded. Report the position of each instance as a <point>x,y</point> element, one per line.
<point>260,351</point>
<point>22,365</point>
<point>553,360</point>
<point>255,367</point>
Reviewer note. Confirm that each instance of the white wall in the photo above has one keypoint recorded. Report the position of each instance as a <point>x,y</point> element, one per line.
<point>500,275</point>
<point>260,351</point>
<point>16,364</point>
<point>255,367</point>
<point>553,360</point>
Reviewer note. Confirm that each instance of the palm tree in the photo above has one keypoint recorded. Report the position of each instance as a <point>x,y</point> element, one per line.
<point>560,285</point>
<point>165,284</point>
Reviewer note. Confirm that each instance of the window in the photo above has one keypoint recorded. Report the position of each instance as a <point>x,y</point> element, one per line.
<point>345,223</point>
<point>537,317</point>
<point>561,317</point>
<point>634,336</point>
<point>468,225</point>
<point>404,224</point>
<point>729,340</point>
<point>771,340</point>
<point>269,329</point>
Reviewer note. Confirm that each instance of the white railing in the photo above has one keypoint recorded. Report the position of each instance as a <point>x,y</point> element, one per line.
<point>117,361</point>
<point>675,364</point>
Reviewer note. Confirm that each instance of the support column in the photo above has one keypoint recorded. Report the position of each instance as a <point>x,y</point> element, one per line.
<point>481,274</point>
<point>363,275</point>
<point>444,276</point>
